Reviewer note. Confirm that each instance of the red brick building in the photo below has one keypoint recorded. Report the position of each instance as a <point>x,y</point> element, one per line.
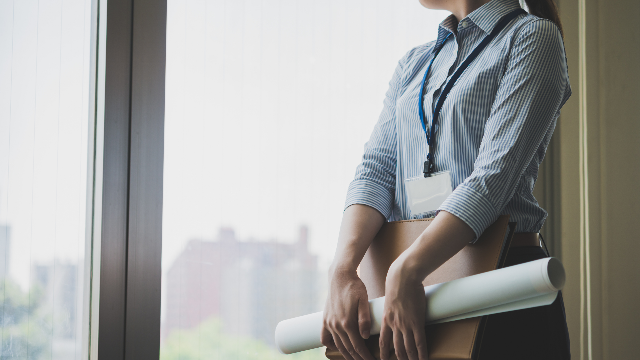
<point>249,285</point>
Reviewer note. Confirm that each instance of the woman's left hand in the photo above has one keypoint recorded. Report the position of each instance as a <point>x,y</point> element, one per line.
<point>404,315</point>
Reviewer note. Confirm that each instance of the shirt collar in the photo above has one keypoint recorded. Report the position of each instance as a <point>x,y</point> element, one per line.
<point>485,17</point>
<point>488,15</point>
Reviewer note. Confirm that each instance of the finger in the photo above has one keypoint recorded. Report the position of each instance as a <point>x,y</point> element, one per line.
<point>420,338</point>
<point>343,350</point>
<point>410,345</point>
<point>346,342</point>
<point>327,339</point>
<point>398,343</point>
<point>385,342</point>
<point>364,318</point>
<point>358,344</point>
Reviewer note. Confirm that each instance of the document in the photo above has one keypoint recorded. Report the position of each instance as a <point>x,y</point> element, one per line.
<point>522,286</point>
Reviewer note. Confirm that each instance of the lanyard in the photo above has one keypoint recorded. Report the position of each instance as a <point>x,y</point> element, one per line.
<point>429,165</point>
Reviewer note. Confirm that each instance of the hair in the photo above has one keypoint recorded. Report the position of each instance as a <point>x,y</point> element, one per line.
<point>545,9</point>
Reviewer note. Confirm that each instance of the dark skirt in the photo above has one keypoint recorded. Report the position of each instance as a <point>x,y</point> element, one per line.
<point>537,333</point>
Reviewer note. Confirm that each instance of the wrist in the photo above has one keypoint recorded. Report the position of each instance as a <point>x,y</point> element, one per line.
<point>408,270</point>
<point>342,267</point>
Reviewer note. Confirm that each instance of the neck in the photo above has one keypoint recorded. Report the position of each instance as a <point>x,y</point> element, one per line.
<point>462,8</point>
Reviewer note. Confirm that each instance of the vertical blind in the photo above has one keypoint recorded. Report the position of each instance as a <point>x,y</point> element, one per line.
<point>44,125</point>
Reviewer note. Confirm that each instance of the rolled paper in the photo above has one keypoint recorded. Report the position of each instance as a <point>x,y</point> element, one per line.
<point>517,287</point>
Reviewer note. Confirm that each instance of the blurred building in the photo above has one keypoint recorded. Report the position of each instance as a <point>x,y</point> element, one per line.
<point>59,282</point>
<point>249,285</point>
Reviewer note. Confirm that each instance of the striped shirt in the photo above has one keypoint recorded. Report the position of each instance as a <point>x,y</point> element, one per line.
<point>493,129</point>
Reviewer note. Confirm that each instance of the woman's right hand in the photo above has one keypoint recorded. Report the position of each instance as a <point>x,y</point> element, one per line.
<point>347,320</point>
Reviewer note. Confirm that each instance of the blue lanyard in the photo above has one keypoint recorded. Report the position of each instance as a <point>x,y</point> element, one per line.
<point>429,165</point>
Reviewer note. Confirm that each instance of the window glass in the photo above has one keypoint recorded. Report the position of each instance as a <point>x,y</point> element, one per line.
<point>44,126</point>
<point>268,106</point>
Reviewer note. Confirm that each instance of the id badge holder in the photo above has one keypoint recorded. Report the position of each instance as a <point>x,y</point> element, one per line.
<point>428,193</point>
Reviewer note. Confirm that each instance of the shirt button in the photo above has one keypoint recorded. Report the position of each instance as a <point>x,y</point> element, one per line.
<point>463,24</point>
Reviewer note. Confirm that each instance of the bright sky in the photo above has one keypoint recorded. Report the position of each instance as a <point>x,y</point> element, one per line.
<point>44,83</point>
<point>268,107</point>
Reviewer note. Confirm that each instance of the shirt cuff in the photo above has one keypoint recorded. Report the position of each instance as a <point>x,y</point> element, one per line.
<point>372,194</point>
<point>471,207</point>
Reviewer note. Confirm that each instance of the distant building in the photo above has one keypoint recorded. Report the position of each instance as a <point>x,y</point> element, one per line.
<point>249,285</point>
<point>5,250</point>
<point>59,281</point>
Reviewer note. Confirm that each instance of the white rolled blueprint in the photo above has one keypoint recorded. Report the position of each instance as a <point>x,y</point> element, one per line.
<point>517,287</point>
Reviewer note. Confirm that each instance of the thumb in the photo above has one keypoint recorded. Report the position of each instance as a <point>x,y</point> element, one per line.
<point>364,317</point>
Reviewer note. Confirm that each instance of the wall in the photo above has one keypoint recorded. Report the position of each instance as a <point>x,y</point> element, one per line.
<point>589,183</point>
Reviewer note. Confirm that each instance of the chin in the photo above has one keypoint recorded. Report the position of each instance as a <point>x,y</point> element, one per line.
<point>434,4</point>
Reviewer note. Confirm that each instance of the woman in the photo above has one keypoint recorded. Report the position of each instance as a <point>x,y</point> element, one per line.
<point>491,134</point>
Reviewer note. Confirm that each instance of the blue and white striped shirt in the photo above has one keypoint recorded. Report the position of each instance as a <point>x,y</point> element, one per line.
<point>494,127</point>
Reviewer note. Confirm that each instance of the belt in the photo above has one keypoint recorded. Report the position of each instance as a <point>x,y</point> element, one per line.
<point>525,239</point>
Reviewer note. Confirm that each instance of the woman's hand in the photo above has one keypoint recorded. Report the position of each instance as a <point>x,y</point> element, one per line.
<point>347,319</point>
<point>403,319</point>
<point>405,303</point>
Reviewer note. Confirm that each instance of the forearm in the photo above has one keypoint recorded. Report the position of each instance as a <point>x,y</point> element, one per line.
<point>446,235</point>
<point>360,224</point>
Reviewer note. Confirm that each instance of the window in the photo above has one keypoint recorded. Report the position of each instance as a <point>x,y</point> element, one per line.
<point>46,132</point>
<point>268,106</point>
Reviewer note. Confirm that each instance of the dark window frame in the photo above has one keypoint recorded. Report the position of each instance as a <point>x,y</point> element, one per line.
<point>131,232</point>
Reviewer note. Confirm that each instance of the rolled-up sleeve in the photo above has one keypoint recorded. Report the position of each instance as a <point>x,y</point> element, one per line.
<point>374,182</point>
<point>532,90</point>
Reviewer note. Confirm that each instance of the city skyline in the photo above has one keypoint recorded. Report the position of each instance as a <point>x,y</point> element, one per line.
<point>250,285</point>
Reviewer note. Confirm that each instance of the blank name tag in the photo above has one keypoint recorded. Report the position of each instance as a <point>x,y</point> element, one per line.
<point>427,194</point>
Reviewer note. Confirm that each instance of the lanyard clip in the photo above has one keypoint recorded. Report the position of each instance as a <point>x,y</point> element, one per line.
<point>428,166</point>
